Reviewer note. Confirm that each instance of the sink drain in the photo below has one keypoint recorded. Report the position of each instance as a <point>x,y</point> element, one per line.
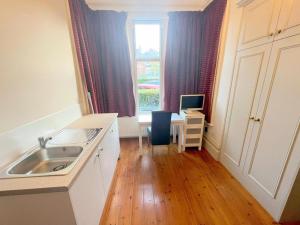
<point>59,167</point>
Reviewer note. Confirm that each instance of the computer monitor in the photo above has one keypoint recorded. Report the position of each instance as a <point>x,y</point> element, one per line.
<point>192,102</point>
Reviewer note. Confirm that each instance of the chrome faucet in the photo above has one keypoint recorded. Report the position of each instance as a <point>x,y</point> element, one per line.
<point>43,141</point>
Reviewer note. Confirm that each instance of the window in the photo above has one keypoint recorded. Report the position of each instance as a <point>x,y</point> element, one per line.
<point>148,66</point>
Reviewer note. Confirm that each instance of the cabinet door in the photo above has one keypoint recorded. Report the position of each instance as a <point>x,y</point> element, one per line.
<point>289,19</point>
<point>250,70</point>
<point>116,139</point>
<point>259,23</point>
<point>108,159</point>
<point>87,193</point>
<point>274,153</point>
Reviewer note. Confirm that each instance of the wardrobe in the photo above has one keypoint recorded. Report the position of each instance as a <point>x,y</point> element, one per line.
<point>261,145</point>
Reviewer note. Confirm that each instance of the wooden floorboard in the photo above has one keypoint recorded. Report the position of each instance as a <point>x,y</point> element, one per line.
<point>177,189</point>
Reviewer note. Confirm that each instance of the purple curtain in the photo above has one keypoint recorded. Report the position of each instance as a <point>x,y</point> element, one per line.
<point>103,55</point>
<point>191,55</point>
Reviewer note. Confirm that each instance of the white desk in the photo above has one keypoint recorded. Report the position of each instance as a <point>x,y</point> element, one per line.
<point>144,121</point>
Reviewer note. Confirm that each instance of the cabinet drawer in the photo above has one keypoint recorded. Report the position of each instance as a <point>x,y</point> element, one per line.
<point>189,136</point>
<point>192,141</point>
<point>192,121</point>
<point>193,126</point>
<point>197,131</point>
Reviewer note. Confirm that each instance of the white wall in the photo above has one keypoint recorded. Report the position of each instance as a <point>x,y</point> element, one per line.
<point>36,62</point>
<point>37,75</point>
<point>128,127</point>
<point>228,46</point>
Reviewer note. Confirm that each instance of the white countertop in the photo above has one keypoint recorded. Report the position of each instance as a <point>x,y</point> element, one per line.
<point>14,186</point>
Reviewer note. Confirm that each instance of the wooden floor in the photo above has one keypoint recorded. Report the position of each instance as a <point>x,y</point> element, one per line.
<point>177,189</point>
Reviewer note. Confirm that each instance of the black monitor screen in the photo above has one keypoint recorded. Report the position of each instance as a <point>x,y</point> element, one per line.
<point>192,102</point>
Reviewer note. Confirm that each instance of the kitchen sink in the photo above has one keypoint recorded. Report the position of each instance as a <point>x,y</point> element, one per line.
<point>48,161</point>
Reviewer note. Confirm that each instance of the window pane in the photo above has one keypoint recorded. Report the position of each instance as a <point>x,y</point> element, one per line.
<point>147,41</point>
<point>148,79</point>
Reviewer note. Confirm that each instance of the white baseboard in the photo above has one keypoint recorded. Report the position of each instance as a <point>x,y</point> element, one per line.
<point>211,148</point>
<point>15,142</point>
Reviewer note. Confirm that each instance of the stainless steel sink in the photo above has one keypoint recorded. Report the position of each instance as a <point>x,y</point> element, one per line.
<point>58,159</point>
<point>48,161</point>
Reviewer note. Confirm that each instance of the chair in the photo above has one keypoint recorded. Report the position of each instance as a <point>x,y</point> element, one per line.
<point>159,132</point>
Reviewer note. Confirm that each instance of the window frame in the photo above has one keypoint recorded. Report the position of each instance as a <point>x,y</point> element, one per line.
<point>132,21</point>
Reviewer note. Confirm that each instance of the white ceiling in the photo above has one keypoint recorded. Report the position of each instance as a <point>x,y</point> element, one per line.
<point>149,5</point>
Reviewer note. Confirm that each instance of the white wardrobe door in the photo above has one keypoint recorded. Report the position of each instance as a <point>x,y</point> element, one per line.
<point>270,161</point>
<point>250,70</point>
<point>289,20</point>
<point>259,23</point>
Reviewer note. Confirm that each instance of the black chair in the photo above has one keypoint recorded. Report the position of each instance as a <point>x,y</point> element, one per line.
<point>159,132</point>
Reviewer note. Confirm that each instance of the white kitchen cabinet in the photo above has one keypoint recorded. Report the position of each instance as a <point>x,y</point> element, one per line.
<point>259,23</point>
<point>90,190</point>
<point>76,198</point>
<point>249,74</point>
<point>87,193</point>
<point>108,151</point>
<point>115,131</point>
<point>289,19</point>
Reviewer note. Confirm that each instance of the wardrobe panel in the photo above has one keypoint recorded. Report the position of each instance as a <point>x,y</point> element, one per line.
<point>259,23</point>
<point>280,115</point>
<point>289,19</point>
<point>249,74</point>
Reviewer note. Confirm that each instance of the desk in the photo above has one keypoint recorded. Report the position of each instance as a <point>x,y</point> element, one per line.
<point>144,121</point>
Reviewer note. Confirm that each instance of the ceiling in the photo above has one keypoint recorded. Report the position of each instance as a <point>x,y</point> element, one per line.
<point>149,5</point>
